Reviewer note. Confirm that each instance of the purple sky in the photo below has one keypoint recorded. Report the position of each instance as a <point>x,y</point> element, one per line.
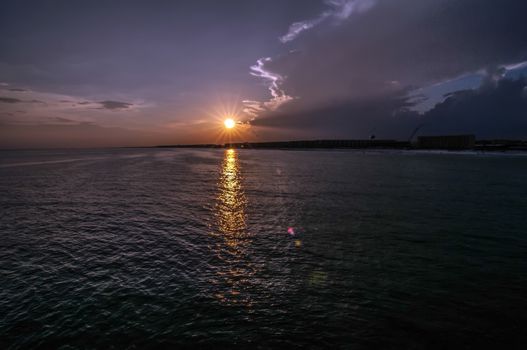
<point>128,73</point>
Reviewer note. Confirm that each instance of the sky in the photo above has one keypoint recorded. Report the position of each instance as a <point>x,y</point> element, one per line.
<point>93,73</point>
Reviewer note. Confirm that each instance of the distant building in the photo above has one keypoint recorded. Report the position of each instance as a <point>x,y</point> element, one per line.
<point>446,142</point>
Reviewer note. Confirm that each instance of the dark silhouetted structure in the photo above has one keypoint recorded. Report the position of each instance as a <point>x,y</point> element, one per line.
<point>207,145</point>
<point>446,142</point>
<point>501,145</point>
<point>380,144</point>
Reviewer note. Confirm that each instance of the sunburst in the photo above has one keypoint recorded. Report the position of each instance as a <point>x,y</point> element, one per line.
<point>229,123</point>
<point>227,116</point>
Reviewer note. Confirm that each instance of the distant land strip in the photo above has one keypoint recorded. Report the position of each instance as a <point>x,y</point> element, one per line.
<point>448,142</point>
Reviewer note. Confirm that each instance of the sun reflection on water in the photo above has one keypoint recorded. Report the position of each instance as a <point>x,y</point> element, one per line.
<point>233,240</point>
<point>230,207</point>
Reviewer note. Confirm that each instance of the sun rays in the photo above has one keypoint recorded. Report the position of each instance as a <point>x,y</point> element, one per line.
<point>228,121</point>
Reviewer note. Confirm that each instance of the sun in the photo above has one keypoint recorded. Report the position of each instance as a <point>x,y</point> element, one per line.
<point>229,123</point>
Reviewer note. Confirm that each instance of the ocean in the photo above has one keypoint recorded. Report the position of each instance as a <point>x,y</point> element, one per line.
<point>213,248</point>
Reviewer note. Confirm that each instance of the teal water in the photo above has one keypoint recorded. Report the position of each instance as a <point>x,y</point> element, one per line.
<point>181,248</point>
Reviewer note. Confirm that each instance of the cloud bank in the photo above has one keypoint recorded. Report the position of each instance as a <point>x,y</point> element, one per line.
<point>497,109</point>
<point>357,63</point>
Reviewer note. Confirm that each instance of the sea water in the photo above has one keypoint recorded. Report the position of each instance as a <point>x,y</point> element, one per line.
<point>214,248</point>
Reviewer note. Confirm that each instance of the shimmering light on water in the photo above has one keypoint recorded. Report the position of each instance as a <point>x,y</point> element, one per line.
<point>230,207</point>
<point>232,245</point>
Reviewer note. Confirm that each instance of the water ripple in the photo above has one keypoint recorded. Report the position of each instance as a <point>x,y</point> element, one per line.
<point>237,249</point>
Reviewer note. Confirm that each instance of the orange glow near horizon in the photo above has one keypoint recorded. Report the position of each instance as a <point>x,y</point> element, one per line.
<point>228,121</point>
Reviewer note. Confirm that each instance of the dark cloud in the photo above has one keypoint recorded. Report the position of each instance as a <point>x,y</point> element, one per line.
<point>399,45</point>
<point>114,105</point>
<point>498,109</point>
<point>17,90</point>
<point>63,120</point>
<point>10,100</point>
<point>17,100</point>
<point>42,121</point>
<point>387,116</point>
<point>495,110</point>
